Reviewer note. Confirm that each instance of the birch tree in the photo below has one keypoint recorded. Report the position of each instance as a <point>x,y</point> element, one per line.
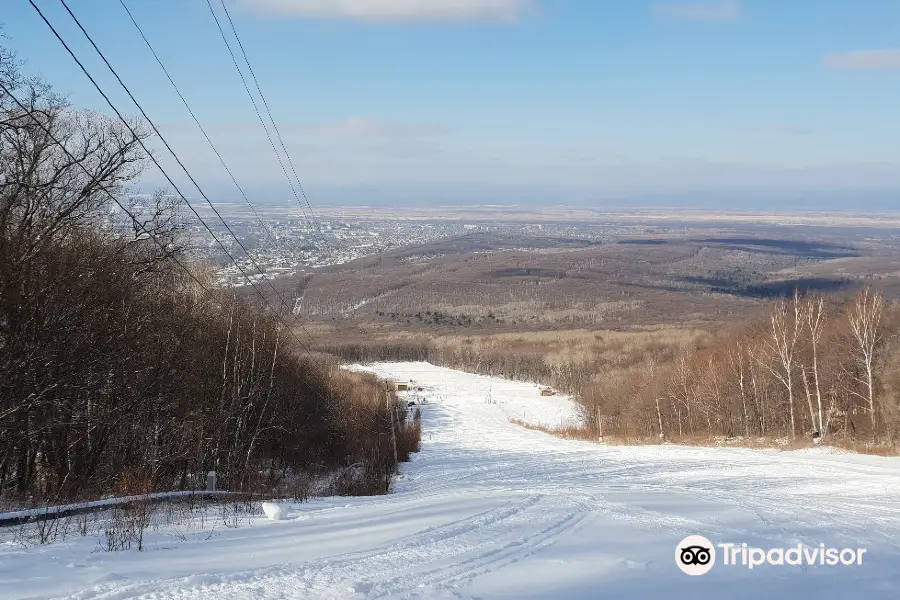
<point>653,388</point>
<point>736,358</point>
<point>814,313</point>
<point>864,316</point>
<point>782,346</point>
<point>679,392</point>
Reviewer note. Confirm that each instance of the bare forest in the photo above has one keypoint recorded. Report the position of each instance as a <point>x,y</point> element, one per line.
<point>726,333</point>
<point>810,368</point>
<point>121,369</point>
<point>805,368</point>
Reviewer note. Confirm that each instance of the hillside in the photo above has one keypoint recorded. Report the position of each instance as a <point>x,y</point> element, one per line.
<point>491,509</point>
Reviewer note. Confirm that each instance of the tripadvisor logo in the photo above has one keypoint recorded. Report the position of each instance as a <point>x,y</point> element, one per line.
<point>696,555</point>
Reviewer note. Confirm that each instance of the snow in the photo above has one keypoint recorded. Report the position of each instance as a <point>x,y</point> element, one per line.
<point>518,401</point>
<point>489,509</point>
<point>275,511</point>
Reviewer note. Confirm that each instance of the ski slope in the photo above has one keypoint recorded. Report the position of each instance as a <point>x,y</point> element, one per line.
<point>489,509</point>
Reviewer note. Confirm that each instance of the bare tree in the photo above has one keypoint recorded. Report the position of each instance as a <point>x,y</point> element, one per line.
<point>654,389</point>
<point>60,168</point>
<point>809,403</point>
<point>759,389</point>
<point>782,345</point>
<point>115,371</point>
<point>736,357</point>
<point>864,315</point>
<point>814,313</point>
<point>680,393</point>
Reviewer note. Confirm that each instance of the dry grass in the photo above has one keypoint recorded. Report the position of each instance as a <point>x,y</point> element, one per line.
<point>860,448</point>
<point>601,354</point>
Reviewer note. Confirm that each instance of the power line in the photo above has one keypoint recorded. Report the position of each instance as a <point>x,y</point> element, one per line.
<point>134,218</point>
<point>268,110</point>
<point>209,141</point>
<point>166,175</point>
<point>143,228</point>
<point>337,242</point>
<point>264,101</point>
<point>137,223</point>
<point>275,313</point>
<point>196,120</point>
<point>156,130</point>
<point>138,139</point>
<point>263,122</point>
<point>156,162</point>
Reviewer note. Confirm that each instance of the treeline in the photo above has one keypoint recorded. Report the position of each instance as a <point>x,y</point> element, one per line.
<point>514,359</point>
<point>811,367</point>
<point>118,372</point>
<point>510,365</point>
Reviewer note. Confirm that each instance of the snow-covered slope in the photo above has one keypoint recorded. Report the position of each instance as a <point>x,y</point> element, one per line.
<point>517,400</point>
<point>489,509</point>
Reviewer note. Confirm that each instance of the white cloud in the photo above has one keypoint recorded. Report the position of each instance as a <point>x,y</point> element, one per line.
<point>723,10</point>
<point>366,127</point>
<point>864,59</point>
<point>392,10</point>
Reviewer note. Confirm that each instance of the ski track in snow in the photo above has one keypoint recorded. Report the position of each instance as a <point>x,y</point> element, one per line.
<point>489,509</point>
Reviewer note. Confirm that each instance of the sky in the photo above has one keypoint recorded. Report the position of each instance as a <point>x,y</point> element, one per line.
<point>722,102</point>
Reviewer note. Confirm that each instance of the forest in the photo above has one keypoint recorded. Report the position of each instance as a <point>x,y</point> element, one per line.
<point>810,368</point>
<point>122,370</point>
<point>806,368</point>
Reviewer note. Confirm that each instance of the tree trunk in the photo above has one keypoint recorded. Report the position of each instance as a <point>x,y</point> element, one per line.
<point>822,425</point>
<point>812,414</point>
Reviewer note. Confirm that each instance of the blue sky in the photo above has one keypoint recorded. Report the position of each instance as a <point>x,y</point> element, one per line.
<point>509,100</point>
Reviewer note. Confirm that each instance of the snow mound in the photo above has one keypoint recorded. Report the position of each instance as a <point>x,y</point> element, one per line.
<point>274,510</point>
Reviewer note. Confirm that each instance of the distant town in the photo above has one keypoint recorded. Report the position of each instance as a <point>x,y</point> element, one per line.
<point>282,244</point>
